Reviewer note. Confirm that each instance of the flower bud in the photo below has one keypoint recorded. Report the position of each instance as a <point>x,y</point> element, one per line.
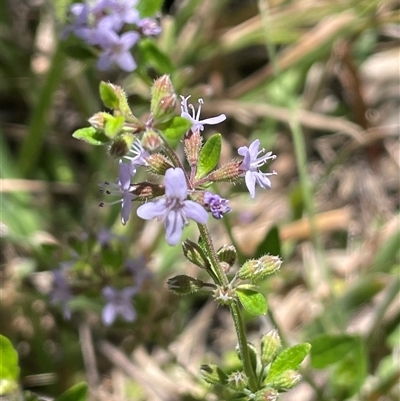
<point>121,145</point>
<point>270,343</point>
<point>158,163</point>
<point>193,142</point>
<point>195,254</point>
<point>98,120</point>
<point>151,141</point>
<point>237,381</point>
<point>259,269</point>
<point>163,99</point>
<point>184,285</point>
<point>227,254</point>
<point>266,394</point>
<point>114,97</point>
<point>228,172</point>
<point>224,295</point>
<point>213,374</point>
<point>285,381</point>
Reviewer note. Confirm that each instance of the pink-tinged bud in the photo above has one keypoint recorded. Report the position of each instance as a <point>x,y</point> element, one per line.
<point>193,143</point>
<point>98,120</point>
<point>158,163</point>
<point>147,190</point>
<point>152,141</point>
<point>228,172</point>
<point>121,145</point>
<point>270,344</point>
<point>163,99</point>
<point>266,394</point>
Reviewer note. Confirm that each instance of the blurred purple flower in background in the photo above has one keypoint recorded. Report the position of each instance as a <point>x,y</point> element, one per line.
<point>251,166</point>
<point>218,206</point>
<point>138,269</point>
<point>119,302</point>
<point>61,292</point>
<point>194,118</point>
<point>103,23</point>
<point>174,210</point>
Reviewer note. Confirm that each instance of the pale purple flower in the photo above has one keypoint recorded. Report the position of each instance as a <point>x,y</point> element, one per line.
<point>116,50</point>
<point>251,166</point>
<point>61,292</point>
<point>194,118</point>
<point>119,302</point>
<point>121,188</point>
<point>137,154</point>
<point>218,206</point>
<point>174,209</point>
<point>150,27</point>
<point>122,11</point>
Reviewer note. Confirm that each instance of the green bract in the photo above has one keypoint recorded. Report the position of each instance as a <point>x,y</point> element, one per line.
<point>209,156</point>
<point>91,135</point>
<point>254,302</point>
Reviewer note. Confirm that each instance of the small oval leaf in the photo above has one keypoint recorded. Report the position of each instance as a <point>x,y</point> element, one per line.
<point>289,359</point>
<point>254,302</point>
<point>114,126</point>
<point>108,95</point>
<point>209,155</point>
<point>91,135</point>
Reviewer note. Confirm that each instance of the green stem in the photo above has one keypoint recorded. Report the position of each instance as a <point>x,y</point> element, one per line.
<point>30,150</point>
<point>234,307</point>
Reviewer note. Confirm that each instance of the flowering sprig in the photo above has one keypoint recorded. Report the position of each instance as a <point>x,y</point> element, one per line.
<point>184,196</point>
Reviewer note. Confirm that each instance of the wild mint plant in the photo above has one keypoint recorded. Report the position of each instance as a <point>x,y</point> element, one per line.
<point>182,196</point>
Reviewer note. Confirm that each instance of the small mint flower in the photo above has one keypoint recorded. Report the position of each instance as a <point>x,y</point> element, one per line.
<point>137,155</point>
<point>174,210</point>
<point>149,27</point>
<point>218,206</point>
<point>116,50</point>
<point>251,164</point>
<point>197,124</point>
<point>61,292</point>
<point>119,302</point>
<point>122,187</point>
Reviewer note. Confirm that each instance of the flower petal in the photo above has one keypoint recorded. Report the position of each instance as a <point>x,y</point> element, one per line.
<point>251,183</point>
<point>108,314</point>
<point>126,207</point>
<point>175,184</point>
<point>173,227</point>
<point>214,120</point>
<point>152,210</point>
<point>195,211</point>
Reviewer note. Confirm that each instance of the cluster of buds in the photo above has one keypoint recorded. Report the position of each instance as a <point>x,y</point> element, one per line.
<point>135,143</point>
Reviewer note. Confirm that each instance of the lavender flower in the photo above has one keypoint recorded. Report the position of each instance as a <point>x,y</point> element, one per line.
<point>251,164</point>
<point>149,27</point>
<point>197,124</point>
<point>116,50</point>
<point>122,187</point>
<point>122,11</point>
<point>218,206</point>
<point>61,293</point>
<point>137,154</point>
<point>118,303</point>
<point>174,210</point>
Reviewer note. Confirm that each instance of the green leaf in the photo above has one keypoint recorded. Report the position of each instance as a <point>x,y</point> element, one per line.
<point>9,369</point>
<point>147,8</point>
<point>152,56</point>
<point>350,373</point>
<point>289,359</point>
<point>78,392</point>
<point>114,126</point>
<point>108,95</point>
<point>330,348</point>
<point>271,244</point>
<point>209,155</point>
<point>174,129</point>
<point>91,135</point>
<point>254,302</point>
